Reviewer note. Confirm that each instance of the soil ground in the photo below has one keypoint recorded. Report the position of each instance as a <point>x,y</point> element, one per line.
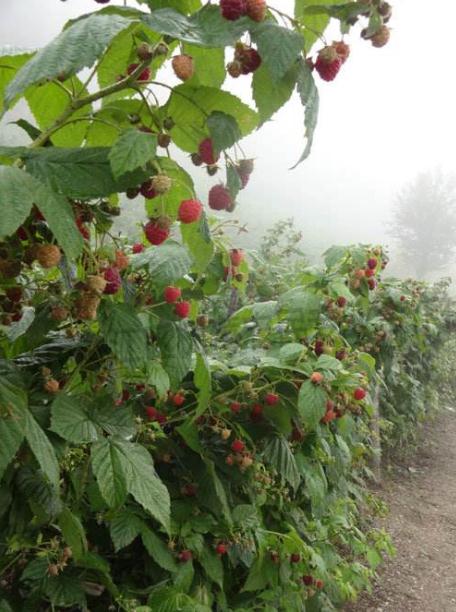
<point>421,493</point>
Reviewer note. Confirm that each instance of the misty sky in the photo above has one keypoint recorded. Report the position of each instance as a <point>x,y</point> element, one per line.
<point>388,115</point>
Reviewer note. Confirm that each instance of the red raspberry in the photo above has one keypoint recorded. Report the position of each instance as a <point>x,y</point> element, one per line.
<point>359,394</point>
<point>207,153</point>
<point>138,248</point>
<point>147,190</point>
<point>341,301</point>
<point>151,413</point>
<point>189,211</point>
<point>233,9</point>
<point>185,555</point>
<point>156,233</point>
<point>83,229</point>
<point>342,50</point>
<point>221,549</point>
<point>250,60</point>
<point>178,399</point>
<point>271,399</point>
<point>329,416</point>
<point>256,9</point>
<point>319,347</point>
<point>328,64</point>
<point>182,309</point>
<point>319,584</point>
<point>307,580</point>
<point>372,263</point>
<point>237,446</point>
<point>171,294</point>
<point>368,272</point>
<point>183,66</point>
<point>114,281</point>
<point>235,407</point>
<point>219,198</point>
<point>371,283</point>
<point>143,76</point>
<point>295,558</point>
<point>236,257</point>
<point>256,412</point>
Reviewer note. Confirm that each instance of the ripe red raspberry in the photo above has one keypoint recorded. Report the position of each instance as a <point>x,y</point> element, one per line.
<point>371,283</point>
<point>138,248</point>
<point>182,309</point>
<point>83,229</point>
<point>114,281</point>
<point>359,394</point>
<point>307,580</point>
<point>156,232</point>
<point>256,9</point>
<point>219,198</point>
<point>237,446</point>
<point>143,76</point>
<point>221,549</point>
<point>295,558</point>
<point>372,263</point>
<point>171,294</point>
<point>319,347</point>
<point>147,190</point>
<point>319,584</point>
<point>342,50</point>
<point>257,412</point>
<point>48,255</point>
<point>185,555</point>
<point>369,272</point>
<point>207,153</point>
<point>183,66</point>
<point>341,301</point>
<point>178,399</point>
<point>235,407</point>
<point>233,9</point>
<point>328,417</point>
<point>236,257</point>
<point>271,399</point>
<point>380,38</point>
<point>189,211</point>
<point>328,64</point>
<point>250,60</point>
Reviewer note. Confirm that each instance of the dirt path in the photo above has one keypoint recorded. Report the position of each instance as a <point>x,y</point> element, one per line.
<point>421,494</point>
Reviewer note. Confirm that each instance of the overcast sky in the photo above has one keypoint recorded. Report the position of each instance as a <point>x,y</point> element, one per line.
<point>388,115</point>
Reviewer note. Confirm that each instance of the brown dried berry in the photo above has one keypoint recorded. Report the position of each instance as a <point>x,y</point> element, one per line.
<point>48,255</point>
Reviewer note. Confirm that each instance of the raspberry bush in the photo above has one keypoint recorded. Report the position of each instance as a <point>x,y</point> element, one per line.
<point>155,456</point>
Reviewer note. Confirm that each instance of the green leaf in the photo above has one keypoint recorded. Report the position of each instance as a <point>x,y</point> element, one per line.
<point>4,606</point>
<point>73,532</point>
<point>212,565</point>
<point>124,527</point>
<point>9,65</point>
<point>75,48</point>
<point>132,150</point>
<point>38,491</point>
<point>71,421</point>
<point>114,420</point>
<point>311,404</point>
<point>233,181</point>
<point>335,255</point>
<point>271,94</point>
<point>328,363</point>
<point>190,434</point>
<point>42,449</point>
<point>124,333</point>
<point>209,65</point>
<point>64,590</point>
<point>118,56</point>
<point>182,188</point>
<point>17,195</point>
<point>278,46</point>
<point>223,129</point>
<point>176,348</point>
<point>157,377</point>
<point>11,431</point>
<point>257,579</point>
<point>278,453</point>
<point>308,93</point>
<point>109,473</point>
<point>203,382</point>
<point>167,263</point>
<point>303,309</point>
<point>197,238</point>
<point>245,516</point>
<point>157,549</point>
<point>216,484</point>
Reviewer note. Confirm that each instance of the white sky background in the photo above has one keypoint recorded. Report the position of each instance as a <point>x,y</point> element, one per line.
<point>389,114</point>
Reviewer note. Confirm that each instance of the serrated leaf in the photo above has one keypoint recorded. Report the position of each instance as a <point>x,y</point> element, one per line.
<point>108,471</point>
<point>308,93</point>
<point>9,65</point>
<point>303,309</point>
<point>278,453</point>
<point>157,549</point>
<point>197,238</point>
<point>132,150</point>
<point>271,94</point>
<point>203,382</point>
<point>36,489</point>
<point>167,262</point>
<point>209,65</point>
<point>334,255</point>
<point>124,527</point>
<point>41,448</point>
<point>71,421</point>
<point>278,46</point>
<point>64,590</point>
<point>212,565</point>
<point>311,404</point>
<point>124,333</point>
<point>73,532</point>
<point>233,181</point>
<point>75,48</point>
<point>11,428</point>
<point>189,433</point>
<point>158,377</point>
<point>216,484</point>
<point>176,348</point>
<point>16,198</point>
<point>223,129</point>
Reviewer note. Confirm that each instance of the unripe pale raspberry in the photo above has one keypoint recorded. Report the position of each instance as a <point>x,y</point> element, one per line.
<point>161,183</point>
<point>144,52</point>
<point>316,378</point>
<point>380,38</point>
<point>236,257</point>
<point>96,284</point>
<point>182,309</point>
<point>234,69</point>
<point>171,294</point>
<point>183,67</point>
<point>246,166</point>
<point>233,9</point>
<point>87,305</point>
<point>48,255</point>
<point>52,385</point>
<point>189,211</point>
<point>156,231</point>
<point>207,153</point>
<point>219,198</point>
<point>342,50</point>
<point>59,313</point>
<point>256,9</point>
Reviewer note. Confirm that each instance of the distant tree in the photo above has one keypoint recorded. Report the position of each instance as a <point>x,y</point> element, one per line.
<point>424,222</point>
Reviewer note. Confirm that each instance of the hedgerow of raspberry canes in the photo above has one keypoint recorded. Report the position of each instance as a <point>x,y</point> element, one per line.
<point>154,455</point>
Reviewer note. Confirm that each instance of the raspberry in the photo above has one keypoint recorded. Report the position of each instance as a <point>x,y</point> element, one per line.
<point>295,558</point>
<point>319,584</point>
<point>156,232</point>
<point>359,394</point>
<point>132,192</point>
<point>182,309</point>
<point>229,460</point>
<point>178,399</point>
<point>342,50</point>
<point>329,416</point>
<point>161,183</point>
<point>256,412</point>
<point>250,60</point>
<point>316,378</point>
<point>256,9</point>
<point>48,255</point>
<point>234,69</point>
<point>271,399</point>
<point>380,38</point>
<point>219,198</point>
<point>163,140</point>
<point>221,549</point>
<point>144,52</point>
<point>207,153</point>
<point>371,283</point>
<point>307,580</point>
<point>147,190</point>
<point>137,248</point>
<point>341,355</point>
<point>236,257</point>
<point>96,284</point>
<point>183,67</point>
<point>189,211</point>
<point>341,301</point>
<point>87,305</point>
<point>59,313</point>
<point>121,261</point>
<point>237,446</point>
<point>114,281</point>
<point>319,347</point>
<point>171,294</point>
<point>83,229</point>
<point>233,9</point>
<point>372,263</point>
<point>52,385</point>
<point>328,64</point>
<point>185,555</point>
<point>143,76</point>
<point>235,407</point>
<point>151,413</point>
<point>246,166</point>
<point>196,159</point>
<point>368,273</point>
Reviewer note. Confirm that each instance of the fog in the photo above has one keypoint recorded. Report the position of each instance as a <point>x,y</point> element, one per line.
<point>387,116</point>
